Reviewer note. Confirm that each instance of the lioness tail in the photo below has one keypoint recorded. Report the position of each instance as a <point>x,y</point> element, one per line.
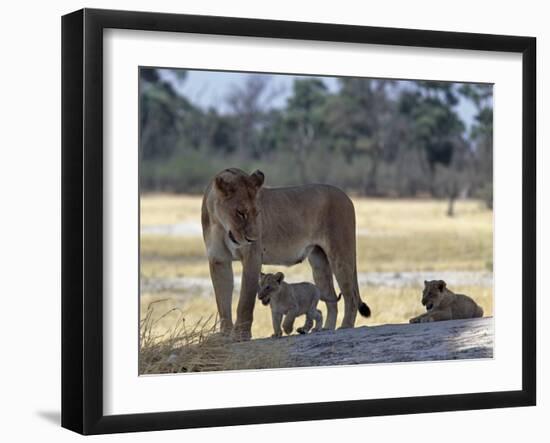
<point>364,310</point>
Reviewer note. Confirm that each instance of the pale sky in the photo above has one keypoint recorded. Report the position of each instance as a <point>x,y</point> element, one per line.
<point>210,89</point>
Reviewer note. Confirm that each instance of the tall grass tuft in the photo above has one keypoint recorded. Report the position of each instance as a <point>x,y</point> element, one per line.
<point>180,348</point>
<point>199,348</point>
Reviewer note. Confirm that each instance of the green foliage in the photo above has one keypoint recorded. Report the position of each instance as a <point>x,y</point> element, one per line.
<point>370,136</point>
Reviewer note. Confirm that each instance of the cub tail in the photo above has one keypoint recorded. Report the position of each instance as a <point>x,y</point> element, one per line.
<point>329,299</point>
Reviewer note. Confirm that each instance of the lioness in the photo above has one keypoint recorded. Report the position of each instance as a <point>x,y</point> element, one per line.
<point>292,300</point>
<point>243,220</point>
<point>443,304</point>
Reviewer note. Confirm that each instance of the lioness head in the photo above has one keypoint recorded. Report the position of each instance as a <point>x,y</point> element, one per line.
<point>433,293</point>
<point>237,205</point>
<point>270,285</point>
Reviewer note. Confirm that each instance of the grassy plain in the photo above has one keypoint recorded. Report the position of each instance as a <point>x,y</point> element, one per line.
<point>394,236</point>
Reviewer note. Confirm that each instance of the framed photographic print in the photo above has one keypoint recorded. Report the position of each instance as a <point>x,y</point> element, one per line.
<point>269,221</point>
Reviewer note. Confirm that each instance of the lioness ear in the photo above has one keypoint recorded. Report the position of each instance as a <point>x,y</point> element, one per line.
<point>279,276</point>
<point>223,187</point>
<point>441,285</point>
<point>257,178</point>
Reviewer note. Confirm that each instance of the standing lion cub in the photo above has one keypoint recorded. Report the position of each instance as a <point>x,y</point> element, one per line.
<point>291,301</point>
<point>443,304</point>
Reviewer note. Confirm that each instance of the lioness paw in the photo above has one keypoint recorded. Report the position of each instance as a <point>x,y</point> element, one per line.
<point>277,335</point>
<point>238,334</point>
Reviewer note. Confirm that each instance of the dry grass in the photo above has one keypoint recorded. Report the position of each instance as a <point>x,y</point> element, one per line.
<point>402,217</point>
<point>167,209</point>
<point>393,236</point>
<point>159,345</point>
<point>388,305</point>
<point>168,345</point>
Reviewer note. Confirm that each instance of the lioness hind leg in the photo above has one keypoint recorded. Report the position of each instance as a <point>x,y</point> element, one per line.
<point>345,276</point>
<point>340,252</point>
<point>322,276</point>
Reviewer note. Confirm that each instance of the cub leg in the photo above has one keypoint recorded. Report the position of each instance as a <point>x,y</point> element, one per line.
<point>307,325</point>
<point>288,322</point>
<point>432,316</point>
<point>276,318</point>
<point>322,276</point>
<point>438,316</point>
<point>318,320</point>
<point>419,318</point>
<point>222,280</point>
<point>311,314</point>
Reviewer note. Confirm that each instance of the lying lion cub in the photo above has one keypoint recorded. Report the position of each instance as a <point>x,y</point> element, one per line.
<point>443,304</point>
<point>291,300</point>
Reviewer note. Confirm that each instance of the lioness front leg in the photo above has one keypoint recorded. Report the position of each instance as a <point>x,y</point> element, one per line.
<point>276,318</point>
<point>221,273</point>
<point>249,287</point>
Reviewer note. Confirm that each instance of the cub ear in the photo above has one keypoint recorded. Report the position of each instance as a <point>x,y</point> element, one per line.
<point>441,285</point>
<point>425,282</point>
<point>257,179</point>
<point>224,187</point>
<point>279,276</point>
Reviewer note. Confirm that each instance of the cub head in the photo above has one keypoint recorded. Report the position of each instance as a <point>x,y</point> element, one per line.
<point>236,204</point>
<point>433,293</point>
<point>270,285</point>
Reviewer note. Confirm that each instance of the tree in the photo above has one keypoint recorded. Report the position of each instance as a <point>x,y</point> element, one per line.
<point>304,119</point>
<point>481,135</point>
<point>361,119</point>
<point>162,112</point>
<point>248,104</point>
<point>381,137</point>
<point>437,131</point>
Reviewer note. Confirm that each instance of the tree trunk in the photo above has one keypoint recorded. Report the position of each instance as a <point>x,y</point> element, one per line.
<point>451,207</point>
<point>371,179</point>
<point>302,165</point>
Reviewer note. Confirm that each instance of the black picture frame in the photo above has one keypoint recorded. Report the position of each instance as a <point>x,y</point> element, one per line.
<point>82,220</point>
